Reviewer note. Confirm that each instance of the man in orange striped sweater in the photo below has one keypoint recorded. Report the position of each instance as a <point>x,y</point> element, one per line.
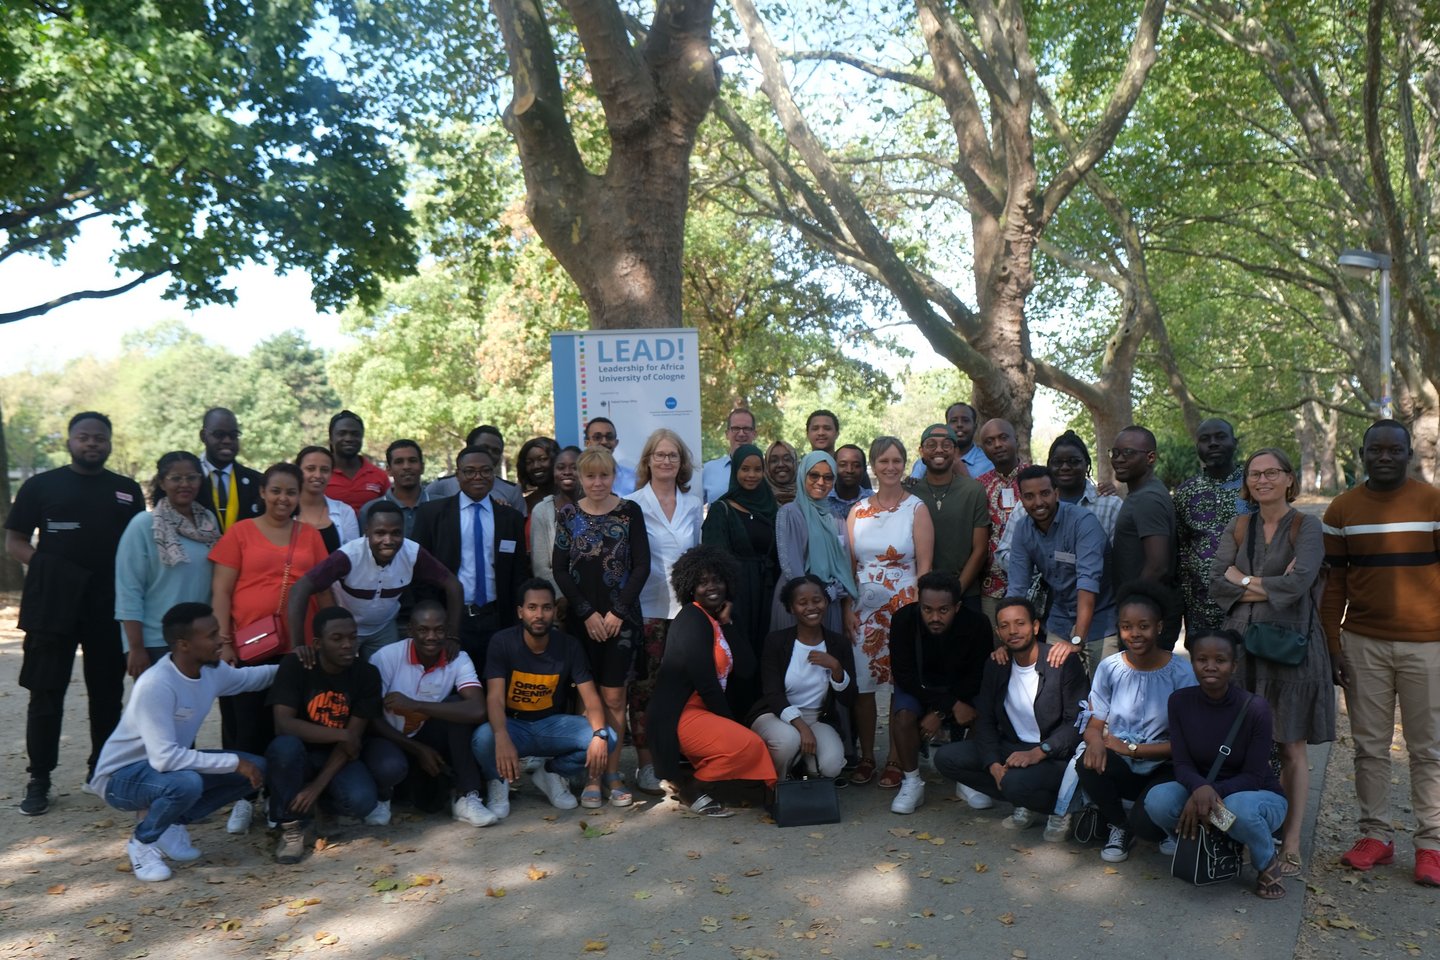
<point>1382,623</point>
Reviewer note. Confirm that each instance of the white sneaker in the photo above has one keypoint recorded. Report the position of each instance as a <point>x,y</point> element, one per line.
<point>910,796</point>
<point>498,798</point>
<point>976,799</point>
<point>1022,818</point>
<point>469,809</point>
<point>1117,848</point>
<point>175,844</point>
<point>647,782</point>
<point>1167,846</point>
<point>240,817</point>
<point>379,816</point>
<point>146,861</point>
<point>556,790</point>
<point>1057,828</point>
<point>531,764</point>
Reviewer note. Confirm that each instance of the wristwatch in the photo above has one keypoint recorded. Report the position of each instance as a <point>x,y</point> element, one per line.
<point>1077,640</point>
<point>1045,747</point>
<point>1132,746</point>
<point>599,735</point>
<point>1245,581</point>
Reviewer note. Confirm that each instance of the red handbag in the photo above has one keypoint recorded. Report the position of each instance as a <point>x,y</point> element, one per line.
<point>264,639</point>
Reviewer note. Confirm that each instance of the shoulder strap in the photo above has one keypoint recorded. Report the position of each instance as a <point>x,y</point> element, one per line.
<point>1225,748</point>
<point>1242,527</point>
<point>285,577</point>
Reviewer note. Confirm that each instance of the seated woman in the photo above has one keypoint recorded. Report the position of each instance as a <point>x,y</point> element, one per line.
<point>689,716</point>
<point>804,671</point>
<point>1200,717</point>
<point>1124,724</point>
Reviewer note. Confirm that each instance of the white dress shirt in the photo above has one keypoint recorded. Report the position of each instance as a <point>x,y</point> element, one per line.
<point>466,573</point>
<point>669,537</point>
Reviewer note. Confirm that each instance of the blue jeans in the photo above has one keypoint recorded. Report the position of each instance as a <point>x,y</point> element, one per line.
<point>1258,814</point>
<point>562,737</point>
<point>179,796</point>
<point>292,763</point>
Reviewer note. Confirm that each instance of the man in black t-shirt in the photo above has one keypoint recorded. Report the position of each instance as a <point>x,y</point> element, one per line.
<point>81,510</point>
<point>320,717</point>
<point>529,672</point>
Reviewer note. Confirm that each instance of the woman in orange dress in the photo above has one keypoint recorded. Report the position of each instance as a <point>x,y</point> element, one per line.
<point>689,715</point>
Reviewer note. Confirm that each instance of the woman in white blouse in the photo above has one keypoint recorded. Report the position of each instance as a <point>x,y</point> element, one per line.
<point>672,522</point>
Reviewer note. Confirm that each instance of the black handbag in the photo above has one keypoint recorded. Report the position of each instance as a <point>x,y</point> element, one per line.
<point>1088,825</point>
<point>1270,641</point>
<point>805,801</point>
<point>1212,855</point>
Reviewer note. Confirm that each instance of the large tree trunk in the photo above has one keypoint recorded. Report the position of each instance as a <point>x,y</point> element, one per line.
<point>620,234</point>
<point>11,575</point>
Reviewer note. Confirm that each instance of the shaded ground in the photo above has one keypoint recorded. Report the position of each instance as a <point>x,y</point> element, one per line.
<point>945,882</point>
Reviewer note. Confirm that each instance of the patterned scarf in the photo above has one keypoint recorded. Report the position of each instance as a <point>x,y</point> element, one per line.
<point>170,525</point>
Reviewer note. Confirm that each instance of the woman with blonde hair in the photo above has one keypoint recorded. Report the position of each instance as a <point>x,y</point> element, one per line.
<point>672,523</point>
<point>1266,570</point>
<point>601,561</point>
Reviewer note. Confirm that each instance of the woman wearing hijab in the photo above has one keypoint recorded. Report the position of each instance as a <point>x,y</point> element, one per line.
<point>780,471</point>
<point>810,539</point>
<point>163,559</point>
<point>743,522</point>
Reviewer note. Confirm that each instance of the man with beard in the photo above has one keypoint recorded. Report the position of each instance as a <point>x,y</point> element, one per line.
<point>958,510</point>
<point>355,480</point>
<point>1024,731</point>
<point>370,574</point>
<point>231,490</point>
<point>149,765</point>
<point>970,459</point>
<point>938,651</point>
<point>528,678</point>
<point>1003,496</point>
<point>852,482</point>
<point>1382,624</point>
<point>1144,544</point>
<point>68,601</point>
<point>405,463</point>
<point>1204,505</point>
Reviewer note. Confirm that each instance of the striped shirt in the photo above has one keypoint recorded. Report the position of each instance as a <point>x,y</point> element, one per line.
<point>1383,553</point>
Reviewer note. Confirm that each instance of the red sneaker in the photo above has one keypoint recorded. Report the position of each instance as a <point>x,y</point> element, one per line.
<point>1427,867</point>
<point>1369,852</point>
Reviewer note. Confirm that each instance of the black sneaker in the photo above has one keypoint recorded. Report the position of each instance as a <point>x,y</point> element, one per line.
<point>37,797</point>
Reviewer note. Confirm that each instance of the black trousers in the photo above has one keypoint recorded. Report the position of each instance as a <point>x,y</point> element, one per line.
<point>1033,788</point>
<point>477,624</point>
<point>1118,783</point>
<point>247,724</point>
<point>49,660</point>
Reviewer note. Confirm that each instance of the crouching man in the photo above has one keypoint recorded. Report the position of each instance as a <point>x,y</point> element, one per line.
<point>148,766</point>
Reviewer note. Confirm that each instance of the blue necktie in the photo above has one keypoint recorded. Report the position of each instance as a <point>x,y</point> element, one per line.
<point>479,541</point>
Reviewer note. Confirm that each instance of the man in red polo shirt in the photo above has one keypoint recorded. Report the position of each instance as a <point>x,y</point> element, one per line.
<point>355,480</point>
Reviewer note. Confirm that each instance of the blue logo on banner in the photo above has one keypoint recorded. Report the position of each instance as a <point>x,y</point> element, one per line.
<point>670,403</point>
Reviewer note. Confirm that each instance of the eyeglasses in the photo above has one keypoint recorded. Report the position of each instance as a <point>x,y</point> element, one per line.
<point>1125,453</point>
<point>814,476</point>
<point>475,473</point>
<point>183,479</point>
<point>737,428</point>
<point>938,443</point>
<point>1071,462</point>
<point>1273,474</point>
<point>225,434</point>
<point>602,437</point>
<point>665,457</point>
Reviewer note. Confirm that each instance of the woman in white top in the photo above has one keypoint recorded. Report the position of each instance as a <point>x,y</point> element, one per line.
<point>335,519</point>
<point>542,519</point>
<point>672,522</point>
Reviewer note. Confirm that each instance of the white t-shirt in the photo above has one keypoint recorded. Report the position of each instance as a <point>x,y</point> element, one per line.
<point>1020,702</point>
<point>806,682</point>
<point>401,671</point>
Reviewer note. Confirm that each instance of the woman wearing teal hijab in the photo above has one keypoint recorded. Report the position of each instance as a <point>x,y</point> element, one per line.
<point>743,522</point>
<point>810,539</point>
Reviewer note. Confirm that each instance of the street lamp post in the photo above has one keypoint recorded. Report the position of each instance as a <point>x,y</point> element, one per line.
<point>1364,261</point>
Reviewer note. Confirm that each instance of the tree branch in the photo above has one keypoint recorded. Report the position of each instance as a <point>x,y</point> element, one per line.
<point>43,308</point>
<point>915,80</point>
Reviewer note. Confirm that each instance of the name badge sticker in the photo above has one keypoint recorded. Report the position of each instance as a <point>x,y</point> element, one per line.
<point>507,546</point>
<point>124,497</point>
<point>1007,498</point>
<point>1062,557</point>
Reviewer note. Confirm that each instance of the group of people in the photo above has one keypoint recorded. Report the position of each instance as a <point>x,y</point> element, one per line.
<point>368,635</point>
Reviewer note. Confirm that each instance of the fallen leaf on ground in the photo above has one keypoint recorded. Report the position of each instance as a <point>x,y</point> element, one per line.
<point>981,867</point>
<point>425,879</point>
<point>692,854</point>
<point>642,894</point>
<point>1111,871</point>
<point>1107,924</point>
<point>1007,918</point>
<point>709,924</point>
<point>496,892</point>
<point>595,946</point>
<point>883,944</point>
<point>535,873</point>
<point>752,872</point>
<point>590,832</point>
<point>723,890</point>
<point>886,867</point>
<point>328,939</point>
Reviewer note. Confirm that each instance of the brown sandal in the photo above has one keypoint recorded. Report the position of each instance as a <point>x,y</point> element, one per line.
<point>864,771</point>
<point>1290,865</point>
<point>1269,883</point>
<point>891,776</point>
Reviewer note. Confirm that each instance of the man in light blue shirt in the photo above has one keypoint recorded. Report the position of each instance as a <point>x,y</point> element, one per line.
<point>715,475</point>
<point>963,419</point>
<point>1068,547</point>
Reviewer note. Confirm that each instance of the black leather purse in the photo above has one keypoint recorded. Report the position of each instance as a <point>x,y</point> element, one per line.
<point>805,801</point>
<point>1212,855</point>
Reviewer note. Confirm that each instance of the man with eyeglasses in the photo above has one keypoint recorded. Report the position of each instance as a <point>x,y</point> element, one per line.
<point>482,542</point>
<point>970,459</point>
<point>958,510</point>
<point>81,510</point>
<point>1144,545</point>
<point>231,490</point>
<point>1204,505</point>
<point>488,438</point>
<point>715,475</point>
<point>601,432</point>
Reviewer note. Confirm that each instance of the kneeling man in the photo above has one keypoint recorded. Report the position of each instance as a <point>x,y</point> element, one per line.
<point>528,674</point>
<point>1024,730</point>
<point>148,764</point>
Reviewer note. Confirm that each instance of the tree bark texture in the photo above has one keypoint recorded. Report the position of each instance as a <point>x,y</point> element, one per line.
<point>618,233</point>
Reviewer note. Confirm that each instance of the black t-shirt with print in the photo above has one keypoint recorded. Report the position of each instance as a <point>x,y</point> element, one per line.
<point>329,699</point>
<point>537,685</point>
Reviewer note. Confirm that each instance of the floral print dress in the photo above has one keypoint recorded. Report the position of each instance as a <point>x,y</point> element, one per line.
<point>885,572</point>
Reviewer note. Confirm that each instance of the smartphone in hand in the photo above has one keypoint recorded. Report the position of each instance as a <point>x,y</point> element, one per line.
<point>1222,818</point>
